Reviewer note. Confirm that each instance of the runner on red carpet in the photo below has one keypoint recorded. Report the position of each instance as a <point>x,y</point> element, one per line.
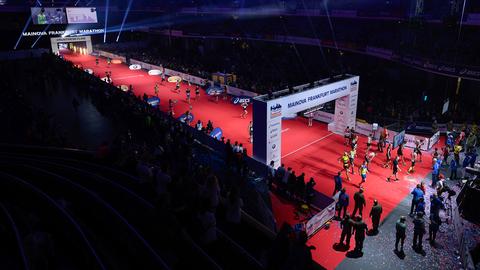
<point>197,92</point>
<point>418,148</point>
<point>363,170</point>
<point>400,153</point>
<point>250,131</point>
<point>156,89</point>
<point>412,166</point>
<point>347,135</point>
<point>345,161</point>
<point>352,155</point>
<point>395,169</point>
<point>388,155</point>
<point>245,112</point>
<point>188,94</point>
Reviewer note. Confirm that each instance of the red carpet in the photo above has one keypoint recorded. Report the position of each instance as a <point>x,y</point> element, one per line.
<point>312,150</point>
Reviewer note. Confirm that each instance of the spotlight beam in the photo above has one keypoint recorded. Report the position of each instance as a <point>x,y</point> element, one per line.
<point>21,33</point>
<point>124,18</point>
<point>106,21</point>
<point>39,37</point>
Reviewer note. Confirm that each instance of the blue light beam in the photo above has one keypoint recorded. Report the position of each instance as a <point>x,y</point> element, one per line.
<point>124,18</point>
<point>106,21</point>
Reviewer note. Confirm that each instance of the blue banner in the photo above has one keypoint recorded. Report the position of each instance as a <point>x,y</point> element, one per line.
<point>183,118</point>
<point>215,90</point>
<point>216,133</point>
<point>153,101</point>
<point>238,100</point>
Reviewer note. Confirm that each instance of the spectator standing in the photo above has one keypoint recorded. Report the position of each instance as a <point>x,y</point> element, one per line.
<point>343,201</point>
<point>233,207</point>
<point>417,194</point>
<point>433,228</point>
<point>400,235</point>
<point>453,169</point>
<point>359,200</point>
<point>310,191</point>
<point>360,228</point>
<point>375,214</point>
<point>418,232</point>
<point>338,183</point>
<point>347,229</point>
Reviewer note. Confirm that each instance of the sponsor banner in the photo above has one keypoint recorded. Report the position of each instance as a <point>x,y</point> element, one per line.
<point>410,141</point>
<point>183,118</point>
<point>434,139</point>
<point>186,77</point>
<point>144,65</point>
<point>111,55</point>
<point>363,128</point>
<point>301,101</point>
<point>341,113</point>
<point>239,100</point>
<point>274,133</point>
<point>323,116</point>
<point>304,100</point>
<point>153,101</point>
<point>318,220</point>
<point>398,139</point>
<point>234,91</point>
<point>216,133</point>
<point>135,67</point>
<point>441,68</point>
<point>154,72</point>
<point>214,90</point>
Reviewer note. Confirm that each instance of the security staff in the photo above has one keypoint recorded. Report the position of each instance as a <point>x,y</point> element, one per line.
<point>359,200</point>
<point>347,229</point>
<point>401,229</point>
<point>375,214</point>
<point>360,230</point>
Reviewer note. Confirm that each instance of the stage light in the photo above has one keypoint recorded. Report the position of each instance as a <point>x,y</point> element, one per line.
<point>124,18</point>
<point>106,21</point>
<point>39,37</point>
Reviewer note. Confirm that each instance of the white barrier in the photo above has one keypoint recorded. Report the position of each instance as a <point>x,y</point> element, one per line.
<point>316,222</point>
<point>111,55</point>
<point>323,116</point>
<point>234,91</point>
<point>170,72</point>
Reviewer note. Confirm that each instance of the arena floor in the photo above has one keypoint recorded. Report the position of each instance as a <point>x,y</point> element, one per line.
<point>312,150</point>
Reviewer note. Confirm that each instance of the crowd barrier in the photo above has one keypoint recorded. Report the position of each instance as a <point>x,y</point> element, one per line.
<point>428,137</point>
<point>110,55</point>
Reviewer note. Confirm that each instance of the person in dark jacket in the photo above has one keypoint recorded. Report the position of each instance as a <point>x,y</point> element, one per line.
<point>360,229</point>
<point>338,183</point>
<point>401,229</point>
<point>310,191</point>
<point>343,201</point>
<point>375,214</point>
<point>417,194</point>
<point>347,229</point>
<point>418,232</point>
<point>420,206</point>
<point>359,200</point>
<point>433,228</point>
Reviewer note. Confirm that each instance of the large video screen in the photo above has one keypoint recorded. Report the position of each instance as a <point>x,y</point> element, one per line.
<point>48,15</point>
<point>82,15</point>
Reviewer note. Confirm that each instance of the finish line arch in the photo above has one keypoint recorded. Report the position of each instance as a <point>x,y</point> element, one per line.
<point>268,113</point>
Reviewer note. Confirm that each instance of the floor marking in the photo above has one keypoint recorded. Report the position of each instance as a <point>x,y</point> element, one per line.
<point>307,145</point>
<point>126,77</point>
